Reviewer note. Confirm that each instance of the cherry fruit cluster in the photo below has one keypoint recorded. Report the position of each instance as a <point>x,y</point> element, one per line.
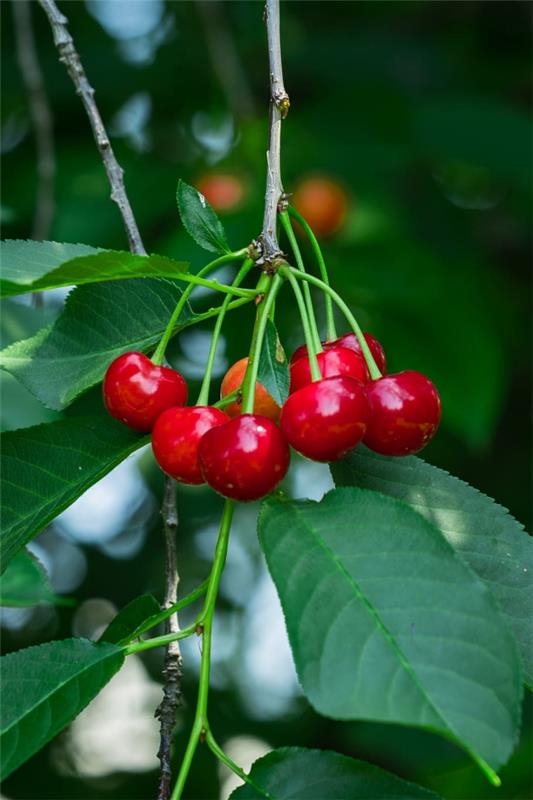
<point>244,456</point>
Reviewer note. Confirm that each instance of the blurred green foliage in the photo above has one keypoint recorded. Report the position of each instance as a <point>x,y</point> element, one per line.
<point>420,110</point>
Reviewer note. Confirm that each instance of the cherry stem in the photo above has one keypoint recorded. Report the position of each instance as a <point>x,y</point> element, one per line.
<point>286,223</point>
<point>270,285</point>
<point>330,317</point>
<point>369,358</point>
<point>228,399</point>
<point>288,272</point>
<point>203,397</point>
<point>196,280</point>
<point>205,623</point>
<point>222,756</point>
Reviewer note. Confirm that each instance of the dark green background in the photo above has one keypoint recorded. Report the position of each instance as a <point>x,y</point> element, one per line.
<point>421,111</point>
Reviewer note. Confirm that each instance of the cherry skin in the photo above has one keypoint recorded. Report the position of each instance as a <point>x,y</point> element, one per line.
<point>333,361</point>
<point>350,341</point>
<point>323,204</point>
<point>405,412</point>
<point>244,459</point>
<point>223,191</point>
<point>327,418</point>
<point>176,437</point>
<point>136,391</point>
<point>264,404</point>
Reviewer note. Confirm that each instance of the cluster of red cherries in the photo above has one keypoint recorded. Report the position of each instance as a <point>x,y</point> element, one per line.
<point>245,456</point>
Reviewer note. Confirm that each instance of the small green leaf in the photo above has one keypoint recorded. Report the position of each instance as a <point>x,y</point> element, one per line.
<point>386,623</point>
<point>130,618</point>
<point>485,535</point>
<point>273,367</point>
<point>29,266</point>
<point>99,323</point>
<point>200,220</point>
<point>44,688</point>
<point>25,584</point>
<point>45,468</point>
<point>296,773</point>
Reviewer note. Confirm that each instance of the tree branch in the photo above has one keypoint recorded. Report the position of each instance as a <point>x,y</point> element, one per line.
<point>41,117</point>
<point>172,668</point>
<point>279,108</point>
<point>68,55</point>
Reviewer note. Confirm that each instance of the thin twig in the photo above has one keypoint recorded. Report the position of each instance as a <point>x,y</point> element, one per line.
<point>172,669</point>
<point>172,672</point>
<point>41,117</point>
<point>279,108</point>
<point>68,55</point>
<point>225,58</point>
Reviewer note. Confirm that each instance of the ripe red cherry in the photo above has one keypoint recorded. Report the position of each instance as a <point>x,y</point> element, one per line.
<point>176,438</point>
<point>350,341</point>
<point>136,391</point>
<point>326,419</point>
<point>323,203</point>
<point>223,191</point>
<point>244,459</point>
<point>404,413</point>
<point>333,361</point>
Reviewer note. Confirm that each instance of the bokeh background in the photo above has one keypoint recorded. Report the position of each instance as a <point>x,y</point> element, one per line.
<point>420,111</point>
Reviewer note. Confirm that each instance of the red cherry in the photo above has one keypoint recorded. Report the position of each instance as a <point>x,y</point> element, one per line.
<point>333,361</point>
<point>323,203</point>
<point>350,341</point>
<point>244,459</point>
<point>404,413</point>
<point>263,403</point>
<point>326,419</point>
<point>176,438</point>
<point>136,391</point>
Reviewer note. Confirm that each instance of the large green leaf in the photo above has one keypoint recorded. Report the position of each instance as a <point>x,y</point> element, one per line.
<point>386,623</point>
<point>273,370</point>
<point>29,266</point>
<point>295,773</point>
<point>98,323</point>
<point>45,468</point>
<point>488,538</point>
<point>25,583</point>
<point>200,220</point>
<point>130,618</point>
<point>44,688</point>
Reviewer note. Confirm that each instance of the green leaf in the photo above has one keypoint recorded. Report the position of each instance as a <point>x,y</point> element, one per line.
<point>386,623</point>
<point>29,266</point>
<point>200,220</point>
<point>273,367</point>
<point>130,618</point>
<point>98,323</point>
<point>45,468</point>
<point>25,584</point>
<point>44,688</point>
<point>296,773</point>
<point>484,534</point>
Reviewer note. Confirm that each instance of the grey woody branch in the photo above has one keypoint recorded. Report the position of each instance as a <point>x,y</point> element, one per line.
<point>68,55</point>
<point>41,117</point>
<point>172,668</point>
<point>279,108</point>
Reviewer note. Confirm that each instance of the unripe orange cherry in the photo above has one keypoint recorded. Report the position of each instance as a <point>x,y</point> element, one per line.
<point>224,192</point>
<point>323,204</point>
<point>264,404</point>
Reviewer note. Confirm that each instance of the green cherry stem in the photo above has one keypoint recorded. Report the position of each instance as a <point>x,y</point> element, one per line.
<point>288,272</point>
<point>369,358</point>
<point>286,224</point>
<point>225,759</point>
<point>203,397</point>
<point>228,399</point>
<point>205,623</point>
<point>330,317</point>
<point>270,285</point>
<point>196,280</point>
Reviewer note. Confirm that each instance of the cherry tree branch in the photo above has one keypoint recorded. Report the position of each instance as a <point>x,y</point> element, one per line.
<point>279,108</point>
<point>41,117</point>
<point>69,56</point>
